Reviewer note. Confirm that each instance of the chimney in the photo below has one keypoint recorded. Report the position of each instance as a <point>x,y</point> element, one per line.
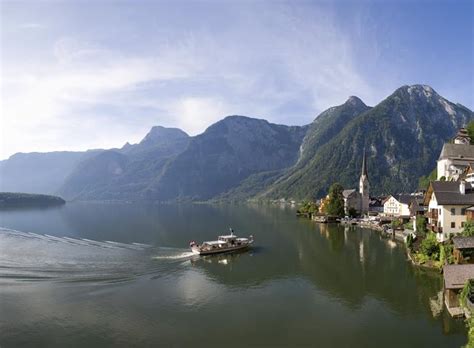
<point>462,187</point>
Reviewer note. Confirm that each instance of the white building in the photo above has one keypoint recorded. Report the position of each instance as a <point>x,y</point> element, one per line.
<point>447,202</point>
<point>456,157</point>
<point>398,206</point>
<point>359,201</point>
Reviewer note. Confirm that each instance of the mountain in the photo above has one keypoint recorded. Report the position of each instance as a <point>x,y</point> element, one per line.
<point>39,172</point>
<point>223,156</point>
<point>240,157</point>
<point>403,136</point>
<point>123,174</point>
<point>159,139</point>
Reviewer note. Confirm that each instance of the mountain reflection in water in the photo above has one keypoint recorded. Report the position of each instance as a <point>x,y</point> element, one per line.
<point>121,274</point>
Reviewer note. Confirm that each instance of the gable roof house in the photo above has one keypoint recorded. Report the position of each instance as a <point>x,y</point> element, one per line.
<point>447,202</point>
<point>455,277</point>
<point>456,157</point>
<point>398,205</point>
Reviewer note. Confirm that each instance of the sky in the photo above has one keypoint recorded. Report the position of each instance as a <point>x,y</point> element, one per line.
<point>76,75</point>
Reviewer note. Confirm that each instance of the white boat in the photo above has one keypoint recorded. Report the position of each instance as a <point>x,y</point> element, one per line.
<point>223,244</point>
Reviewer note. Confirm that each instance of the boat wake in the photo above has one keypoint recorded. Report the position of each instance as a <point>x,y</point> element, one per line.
<point>180,256</point>
<point>27,256</point>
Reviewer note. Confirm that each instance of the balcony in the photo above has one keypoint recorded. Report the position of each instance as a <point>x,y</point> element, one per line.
<point>433,214</point>
<point>436,228</point>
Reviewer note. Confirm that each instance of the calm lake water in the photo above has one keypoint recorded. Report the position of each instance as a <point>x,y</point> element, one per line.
<point>95,275</point>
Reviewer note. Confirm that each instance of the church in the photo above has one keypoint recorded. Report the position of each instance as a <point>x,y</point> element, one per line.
<point>358,200</point>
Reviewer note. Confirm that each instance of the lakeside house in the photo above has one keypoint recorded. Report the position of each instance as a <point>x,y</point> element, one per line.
<point>447,203</point>
<point>455,277</point>
<point>463,250</point>
<point>456,157</point>
<point>398,206</point>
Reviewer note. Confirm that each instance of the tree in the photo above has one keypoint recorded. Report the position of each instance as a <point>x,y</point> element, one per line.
<point>352,212</point>
<point>420,225</point>
<point>336,200</point>
<point>470,130</point>
<point>430,247</point>
<point>468,230</point>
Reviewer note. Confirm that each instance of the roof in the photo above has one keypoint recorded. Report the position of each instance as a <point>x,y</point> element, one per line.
<point>447,192</point>
<point>463,242</point>
<point>347,193</point>
<point>455,276</point>
<point>457,151</point>
<point>214,242</point>
<point>404,198</point>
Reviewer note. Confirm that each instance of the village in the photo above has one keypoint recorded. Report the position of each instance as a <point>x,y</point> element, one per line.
<point>435,223</point>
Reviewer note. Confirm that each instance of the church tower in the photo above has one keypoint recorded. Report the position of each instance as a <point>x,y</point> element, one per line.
<point>364,187</point>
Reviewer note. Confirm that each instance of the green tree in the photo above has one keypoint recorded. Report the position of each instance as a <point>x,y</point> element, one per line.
<point>352,212</point>
<point>468,230</point>
<point>420,226</point>
<point>336,201</point>
<point>470,130</point>
<point>430,246</point>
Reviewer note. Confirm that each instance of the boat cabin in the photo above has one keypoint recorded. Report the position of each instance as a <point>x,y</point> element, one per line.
<point>215,244</point>
<point>228,239</point>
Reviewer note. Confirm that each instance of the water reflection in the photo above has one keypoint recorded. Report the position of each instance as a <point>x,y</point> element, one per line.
<point>301,278</point>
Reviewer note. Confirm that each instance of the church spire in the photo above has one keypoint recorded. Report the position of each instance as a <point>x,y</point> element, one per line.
<point>364,166</point>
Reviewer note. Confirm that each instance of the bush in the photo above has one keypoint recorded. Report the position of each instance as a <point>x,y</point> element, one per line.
<point>420,226</point>
<point>446,254</point>
<point>352,212</point>
<point>308,207</point>
<point>430,247</point>
<point>410,241</point>
<point>468,230</point>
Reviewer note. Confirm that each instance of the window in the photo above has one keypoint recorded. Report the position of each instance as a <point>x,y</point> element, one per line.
<point>462,224</point>
<point>453,224</point>
<point>453,211</point>
<point>463,211</point>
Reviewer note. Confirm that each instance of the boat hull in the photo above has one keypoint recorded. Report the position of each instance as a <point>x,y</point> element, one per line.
<point>219,250</point>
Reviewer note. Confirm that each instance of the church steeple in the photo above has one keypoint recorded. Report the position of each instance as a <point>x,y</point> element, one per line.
<point>364,178</point>
<point>364,186</point>
<point>364,167</point>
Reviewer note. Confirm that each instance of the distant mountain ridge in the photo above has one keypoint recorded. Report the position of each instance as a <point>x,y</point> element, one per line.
<point>240,157</point>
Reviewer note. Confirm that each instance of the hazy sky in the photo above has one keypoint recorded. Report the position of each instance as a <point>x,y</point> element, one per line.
<point>95,74</point>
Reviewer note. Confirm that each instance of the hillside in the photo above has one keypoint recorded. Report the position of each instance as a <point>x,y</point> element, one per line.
<point>224,155</point>
<point>403,136</point>
<point>26,200</point>
<point>39,172</point>
<point>125,174</point>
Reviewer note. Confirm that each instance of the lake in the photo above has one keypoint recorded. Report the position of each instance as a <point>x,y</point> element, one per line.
<point>95,275</point>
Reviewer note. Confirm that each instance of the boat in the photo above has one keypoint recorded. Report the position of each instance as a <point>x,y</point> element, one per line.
<point>226,243</point>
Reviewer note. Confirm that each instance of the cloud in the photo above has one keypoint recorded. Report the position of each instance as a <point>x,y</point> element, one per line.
<point>32,26</point>
<point>273,62</point>
<point>196,114</point>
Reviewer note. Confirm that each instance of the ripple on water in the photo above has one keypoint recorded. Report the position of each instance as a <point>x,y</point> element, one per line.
<point>31,257</point>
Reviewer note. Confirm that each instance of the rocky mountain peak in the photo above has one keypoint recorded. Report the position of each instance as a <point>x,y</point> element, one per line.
<point>354,101</point>
<point>159,134</point>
